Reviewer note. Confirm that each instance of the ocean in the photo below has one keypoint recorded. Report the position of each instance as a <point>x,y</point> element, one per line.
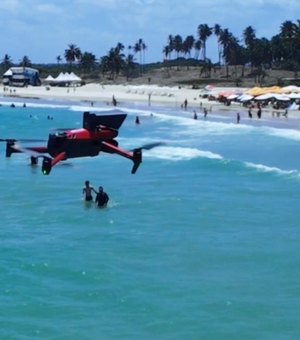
<point>201,243</point>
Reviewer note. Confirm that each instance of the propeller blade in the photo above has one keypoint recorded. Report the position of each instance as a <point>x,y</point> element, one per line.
<point>150,146</point>
<point>21,140</point>
<point>7,140</point>
<point>63,129</point>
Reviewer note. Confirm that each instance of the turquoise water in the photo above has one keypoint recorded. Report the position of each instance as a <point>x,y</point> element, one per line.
<point>202,243</point>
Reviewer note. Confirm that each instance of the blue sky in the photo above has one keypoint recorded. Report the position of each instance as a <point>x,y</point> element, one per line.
<point>43,29</point>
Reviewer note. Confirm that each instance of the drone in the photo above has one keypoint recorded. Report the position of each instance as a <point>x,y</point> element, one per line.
<point>98,134</point>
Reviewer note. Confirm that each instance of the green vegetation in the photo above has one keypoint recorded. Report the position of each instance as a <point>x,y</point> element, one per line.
<point>281,52</point>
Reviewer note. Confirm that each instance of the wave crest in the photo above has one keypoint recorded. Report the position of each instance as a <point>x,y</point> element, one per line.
<point>180,153</point>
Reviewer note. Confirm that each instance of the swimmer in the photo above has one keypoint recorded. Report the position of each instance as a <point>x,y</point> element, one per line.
<point>87,191</point>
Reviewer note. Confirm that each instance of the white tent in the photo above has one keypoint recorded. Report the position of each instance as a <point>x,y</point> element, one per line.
<point>8,73</point>
<point>67,79</point>
<point>49,79</point>
<point>74,77</point>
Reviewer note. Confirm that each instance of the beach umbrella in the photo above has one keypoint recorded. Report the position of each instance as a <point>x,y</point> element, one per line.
<point>245,97</point>
<point>281,97</point>
<point>255,91</point>
<point>294,95</point>
<point>209,87</point>
<point>232,96</point>
<point>290,89</point>
<point>265,96</point>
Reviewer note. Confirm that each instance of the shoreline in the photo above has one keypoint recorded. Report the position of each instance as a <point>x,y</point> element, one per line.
<point>149,95</point>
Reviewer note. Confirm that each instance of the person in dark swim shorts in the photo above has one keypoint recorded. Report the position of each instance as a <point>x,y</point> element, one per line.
<point>87,191</point>
<point>101,198</point>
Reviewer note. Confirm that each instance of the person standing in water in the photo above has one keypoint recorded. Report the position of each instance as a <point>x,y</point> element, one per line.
<point>101,198</point>
<point>87,191</point>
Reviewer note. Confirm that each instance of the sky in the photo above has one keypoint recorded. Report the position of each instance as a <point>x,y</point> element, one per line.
<point>43,29</point>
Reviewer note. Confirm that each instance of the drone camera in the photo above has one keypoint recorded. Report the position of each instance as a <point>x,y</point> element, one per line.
<point>46,166</point>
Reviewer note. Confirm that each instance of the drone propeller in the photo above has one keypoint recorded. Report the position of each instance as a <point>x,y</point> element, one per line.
<point>63,129</point>
<point>12,140</point>
<point>149,146</point>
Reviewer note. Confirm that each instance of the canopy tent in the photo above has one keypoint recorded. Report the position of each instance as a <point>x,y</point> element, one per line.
<point>49,79</point>
<point>8,73</point>
<point>64,79</point>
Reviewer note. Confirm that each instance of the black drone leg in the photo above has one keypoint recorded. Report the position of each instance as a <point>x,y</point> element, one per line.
<point>33,160</point>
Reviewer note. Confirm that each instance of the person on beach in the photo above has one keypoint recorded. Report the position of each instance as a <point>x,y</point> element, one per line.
<point>185,103</point>
<point>101,198</point>
<point>195,115</point>
<point>249,113</point>
<point>205,112</point>
<point>114,101</point>
<point>137,120</point>
<point>87,191</point>
<point>238,117</point>
<point>259,113</point>
<point>149,99</point>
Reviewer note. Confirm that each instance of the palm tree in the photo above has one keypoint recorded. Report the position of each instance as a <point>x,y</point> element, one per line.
<point>72,54</point>
<point>178,47</point>
<point>188,44</point>
<point>262,52</point>
<point>197,46</point>
<point>288,32</point>
<point>140,47</point>
<point>143,49</point>
<point>225,41</point>
<point>58,59</point>
<point>277,49</point>
<point>166,52</point>
<point>88,61</point>
<point>171,45</point>
<point>25,62</point>
<point>113,62</point>
<point>249,39</point>
<point>129,65</point>
<point>218,31</point>
<point>204,32</point>
<point>7,62</point>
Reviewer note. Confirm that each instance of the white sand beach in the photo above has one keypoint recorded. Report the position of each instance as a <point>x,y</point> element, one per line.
<point>150,95</point>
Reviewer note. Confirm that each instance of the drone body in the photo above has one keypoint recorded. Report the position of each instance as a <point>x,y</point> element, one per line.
<point>97,135</point>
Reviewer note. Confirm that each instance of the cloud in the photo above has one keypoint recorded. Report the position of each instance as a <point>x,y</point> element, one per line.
<point>97,25</point>
<point>49,9</point>
<point>9,5</point>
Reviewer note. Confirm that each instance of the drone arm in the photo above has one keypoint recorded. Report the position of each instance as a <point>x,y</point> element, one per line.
<point>61,156</point>
<point>136,156</point>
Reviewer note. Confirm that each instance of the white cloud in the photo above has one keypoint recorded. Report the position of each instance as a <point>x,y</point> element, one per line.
<point>9,5</point>
<point>45,8</point>
<point>97,25</point>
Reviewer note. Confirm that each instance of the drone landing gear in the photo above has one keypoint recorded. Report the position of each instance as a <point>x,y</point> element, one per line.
<point>48,162</point>
<point>33,160</point>
<point>46,165</point>
<point>137,160</point>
